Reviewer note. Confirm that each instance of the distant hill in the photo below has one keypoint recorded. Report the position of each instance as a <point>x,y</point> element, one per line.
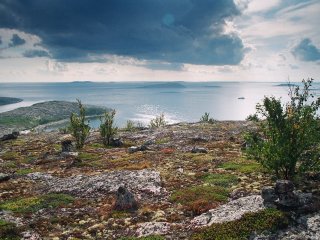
<point>42,113</point>
<point>165,85</point>
<point>9,100</point>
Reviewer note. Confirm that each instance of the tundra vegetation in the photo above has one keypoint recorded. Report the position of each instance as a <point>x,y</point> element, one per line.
<point>287,139</point>
<point>78,126</point>
<point>107,128</point>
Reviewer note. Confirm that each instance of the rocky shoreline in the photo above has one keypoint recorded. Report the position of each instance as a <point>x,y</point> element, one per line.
<point>182,181</point>
<point>41,115</point>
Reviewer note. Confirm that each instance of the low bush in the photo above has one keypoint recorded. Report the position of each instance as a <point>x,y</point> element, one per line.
<point>265,220</point>
<point>157,122</point>
<point>199,199</point>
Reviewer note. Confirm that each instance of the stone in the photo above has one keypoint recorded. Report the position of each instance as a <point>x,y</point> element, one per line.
<point>284,186</point>
<point>269,195</point>
<point>11,136</point>
<point>125,200</point>
<point>149,142</point>
<point>144,183</point>
<point>133,149</point>
<point>199,150</point>
<point>153,228</point>
<point>159,216</point>
<point>4,177</point>
<point>230,211</point>
<point>116,142</point>
<point>66,146</point>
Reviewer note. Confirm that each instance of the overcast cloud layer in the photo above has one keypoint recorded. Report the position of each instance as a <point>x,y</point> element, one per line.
<point>188,40</point>
<point>181,31</point>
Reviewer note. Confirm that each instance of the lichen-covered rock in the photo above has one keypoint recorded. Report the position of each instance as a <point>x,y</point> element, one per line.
<point>284,186</point>
<point>199,150</point>
<point>125,200</point>
<point>231,211</point>
<point>4,177</point>
<point>141,182</point>
<point>153,228</point>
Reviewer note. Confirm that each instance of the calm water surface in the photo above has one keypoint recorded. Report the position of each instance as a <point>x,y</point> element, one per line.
<point>179,101</point>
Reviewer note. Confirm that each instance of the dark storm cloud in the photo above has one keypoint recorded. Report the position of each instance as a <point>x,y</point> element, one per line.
<point>35,53</point>
<point>0,40</point>
<point>181,31</point>
<point>16,41</point>
<point>306,51</point>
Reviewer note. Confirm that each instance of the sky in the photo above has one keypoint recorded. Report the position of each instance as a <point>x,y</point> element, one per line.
<point>159,40</point>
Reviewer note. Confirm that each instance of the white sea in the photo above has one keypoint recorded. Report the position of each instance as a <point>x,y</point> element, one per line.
<point>142,101</point>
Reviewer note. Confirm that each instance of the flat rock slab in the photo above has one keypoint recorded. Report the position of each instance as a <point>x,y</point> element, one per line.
<point>141,182</point>
<point>153,228</point>
<point>231,211</point>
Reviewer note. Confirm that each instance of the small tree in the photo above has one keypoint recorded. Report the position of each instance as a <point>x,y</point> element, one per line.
<point>157,122</point>
<point>288,137</point>
<point>79,129</point>
<point>107,128</point>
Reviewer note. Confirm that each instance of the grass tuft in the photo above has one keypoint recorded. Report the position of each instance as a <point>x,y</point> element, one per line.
<point>33,204</point>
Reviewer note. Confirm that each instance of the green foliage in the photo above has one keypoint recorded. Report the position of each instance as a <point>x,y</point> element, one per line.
<point>8,231</point>
<point>33,204</point>
<point>205,118</point>
<point>223,180</point>
<point>265,220</point>
<point>130,126</point>
<point>157,122</point>
<point>107,128</point>
<point>288,137</point>
<point>79,129</point>
<point>199,199</point>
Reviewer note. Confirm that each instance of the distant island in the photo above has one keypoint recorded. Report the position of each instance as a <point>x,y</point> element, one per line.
<point>165,85</point>
<point>42,113</point>
<point>286,85</point>
<point>9,100</point>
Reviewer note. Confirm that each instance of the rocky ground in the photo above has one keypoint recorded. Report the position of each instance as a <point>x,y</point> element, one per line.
<point>189,181</point>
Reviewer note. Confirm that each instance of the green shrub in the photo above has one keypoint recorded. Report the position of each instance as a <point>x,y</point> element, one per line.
<point>79,129</point>
<point>107,128</point>
<point>130,126</point>
<point>288,137</point>
<point>157,122</point>
<point>265,220</point>
<point>205,118</point>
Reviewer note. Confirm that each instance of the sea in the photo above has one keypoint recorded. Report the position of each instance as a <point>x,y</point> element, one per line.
<point>143,101</point>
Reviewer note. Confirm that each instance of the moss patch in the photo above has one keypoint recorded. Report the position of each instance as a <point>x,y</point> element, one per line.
<point>265,220</point>
<point>33,204</point>
<point>85,156</point>
<point>248,167</point>
<point>223,180</point>
<point>199,199</point>
<point>8,231</point>
<point>7,156</point>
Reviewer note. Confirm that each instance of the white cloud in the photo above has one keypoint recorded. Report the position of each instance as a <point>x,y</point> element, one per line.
<point>261,5</point>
